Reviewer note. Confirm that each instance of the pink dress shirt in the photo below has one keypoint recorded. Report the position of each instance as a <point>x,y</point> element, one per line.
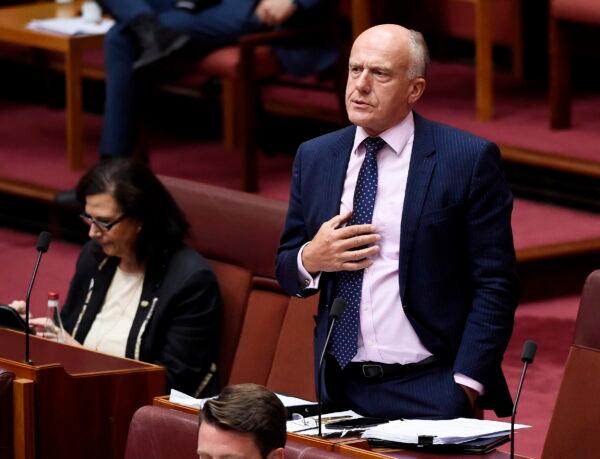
<point>385,333</point>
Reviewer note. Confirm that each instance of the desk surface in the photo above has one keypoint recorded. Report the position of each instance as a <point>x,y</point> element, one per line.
<point>14,20</point>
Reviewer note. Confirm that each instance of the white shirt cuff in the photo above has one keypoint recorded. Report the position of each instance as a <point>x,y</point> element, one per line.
<point>304,278</point>
<point>463,380</point>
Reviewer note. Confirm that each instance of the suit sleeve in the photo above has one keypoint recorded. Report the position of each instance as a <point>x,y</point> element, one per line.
<point>294,236</point>
<point>191,338</point>
<point>492,270</point>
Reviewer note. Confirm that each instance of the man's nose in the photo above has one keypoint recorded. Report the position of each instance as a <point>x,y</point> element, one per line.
<point>363,81</point>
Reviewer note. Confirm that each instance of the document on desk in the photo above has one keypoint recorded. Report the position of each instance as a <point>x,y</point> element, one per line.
<point>187,400</point>
<point>309,425</point>
<point>443,432</point>
<point>71,26</point>
<point>290,402</point>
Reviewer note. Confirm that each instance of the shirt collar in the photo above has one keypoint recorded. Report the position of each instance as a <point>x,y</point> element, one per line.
<point>395,137</point>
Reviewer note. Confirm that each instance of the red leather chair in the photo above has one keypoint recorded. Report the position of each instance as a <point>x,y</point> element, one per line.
<point>267,336</point>
<point>563,15</point>
<point>573,429</point>
<point>158,433</point>
<point>6,413</point>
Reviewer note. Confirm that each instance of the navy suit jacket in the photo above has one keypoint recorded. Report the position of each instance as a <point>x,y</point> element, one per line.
<point>457,263</point>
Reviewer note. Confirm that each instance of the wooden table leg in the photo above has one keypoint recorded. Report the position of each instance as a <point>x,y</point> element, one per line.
<point>23,419</point>
<point>517,45</point>
<point>362,16</point>
<point>484,87</point>
<point>74,111</point>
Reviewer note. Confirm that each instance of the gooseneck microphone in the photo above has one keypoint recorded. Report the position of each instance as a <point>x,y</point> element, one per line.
<point>529,350</point>
<point>42,245</point>
<point>335,312</point>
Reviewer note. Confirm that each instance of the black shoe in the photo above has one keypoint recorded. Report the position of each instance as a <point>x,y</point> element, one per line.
<point>156,42</point>
<point>67,198</point>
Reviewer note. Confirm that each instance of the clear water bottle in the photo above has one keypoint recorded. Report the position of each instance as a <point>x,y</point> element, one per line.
<point>53,316</point>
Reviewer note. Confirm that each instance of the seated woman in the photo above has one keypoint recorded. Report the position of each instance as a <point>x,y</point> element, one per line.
<point>138,290</point>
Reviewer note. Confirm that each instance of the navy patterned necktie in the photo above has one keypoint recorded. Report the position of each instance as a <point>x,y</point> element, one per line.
<point>349,286</point>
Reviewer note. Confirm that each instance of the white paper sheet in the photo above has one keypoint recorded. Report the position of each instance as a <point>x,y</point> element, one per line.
<point>289,402</point>
<point>187,400</point>
<point>71,26</point>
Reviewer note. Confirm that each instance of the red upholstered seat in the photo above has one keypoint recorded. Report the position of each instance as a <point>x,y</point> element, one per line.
<point>266,336</point>
<point>292,370</point>
<point>225,62</point>
<point>586,11</point>
<point>157,433</point>
<point>258,341</point>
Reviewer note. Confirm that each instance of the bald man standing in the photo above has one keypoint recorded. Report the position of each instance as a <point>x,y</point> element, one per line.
<point>409,221</point>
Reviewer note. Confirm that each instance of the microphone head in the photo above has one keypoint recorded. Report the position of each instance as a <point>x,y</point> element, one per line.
<point>529,350</point>
<point>43,241</point>
<point>337,308</point>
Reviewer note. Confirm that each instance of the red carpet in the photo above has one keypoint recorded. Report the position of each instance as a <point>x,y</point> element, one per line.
<point>17,259</point>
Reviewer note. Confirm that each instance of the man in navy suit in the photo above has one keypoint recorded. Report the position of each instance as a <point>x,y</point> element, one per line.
<point>409,221</point>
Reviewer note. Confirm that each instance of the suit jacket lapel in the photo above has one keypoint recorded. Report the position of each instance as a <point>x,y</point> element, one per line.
<point>335,168</point>
<point>334,173</point>
<point>153,277</point>
<point>422,163</point>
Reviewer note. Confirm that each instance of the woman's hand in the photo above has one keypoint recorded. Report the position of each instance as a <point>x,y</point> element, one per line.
<point>46,328</point>
<point>19,306</point>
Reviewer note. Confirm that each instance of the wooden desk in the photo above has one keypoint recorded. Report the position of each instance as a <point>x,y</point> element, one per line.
<point>13,22</point>
<point>73,402</point>
<point>350,447</point>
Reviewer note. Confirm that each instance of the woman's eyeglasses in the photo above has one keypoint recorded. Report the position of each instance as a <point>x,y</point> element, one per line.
<point>102,226</point>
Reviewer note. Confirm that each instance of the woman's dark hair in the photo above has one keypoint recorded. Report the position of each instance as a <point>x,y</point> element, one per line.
<point>142,196</point>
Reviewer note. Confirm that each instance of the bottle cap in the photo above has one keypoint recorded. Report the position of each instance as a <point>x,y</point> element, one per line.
<point>52,295</point>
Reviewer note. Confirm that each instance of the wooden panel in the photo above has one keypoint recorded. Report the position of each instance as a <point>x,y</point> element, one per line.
<point>23,420</point>
<point>93,401</point>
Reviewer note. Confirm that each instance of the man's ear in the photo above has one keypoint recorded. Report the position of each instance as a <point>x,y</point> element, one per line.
<point>417,88</point>
<point>276,454</point>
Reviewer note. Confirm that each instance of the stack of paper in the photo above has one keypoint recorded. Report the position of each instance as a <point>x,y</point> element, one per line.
<point>71,26</point>
<point>444,432</point>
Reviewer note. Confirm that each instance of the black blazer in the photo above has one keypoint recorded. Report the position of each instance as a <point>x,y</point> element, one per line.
<point>178,318</point>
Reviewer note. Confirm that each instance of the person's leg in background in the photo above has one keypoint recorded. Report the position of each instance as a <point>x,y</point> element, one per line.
<point>214,26</point>
<point>120,52</point>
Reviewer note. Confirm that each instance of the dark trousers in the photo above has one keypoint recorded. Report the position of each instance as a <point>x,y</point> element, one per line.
<point>209,28</point>
<point>422,393</point>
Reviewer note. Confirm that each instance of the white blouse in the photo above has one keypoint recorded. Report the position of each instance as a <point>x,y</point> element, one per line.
<point>110,329</point>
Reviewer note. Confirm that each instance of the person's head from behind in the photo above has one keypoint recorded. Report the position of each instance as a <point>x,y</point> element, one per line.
<point>246,421</point>
<point>386,76</point>
<point>129,212</point>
